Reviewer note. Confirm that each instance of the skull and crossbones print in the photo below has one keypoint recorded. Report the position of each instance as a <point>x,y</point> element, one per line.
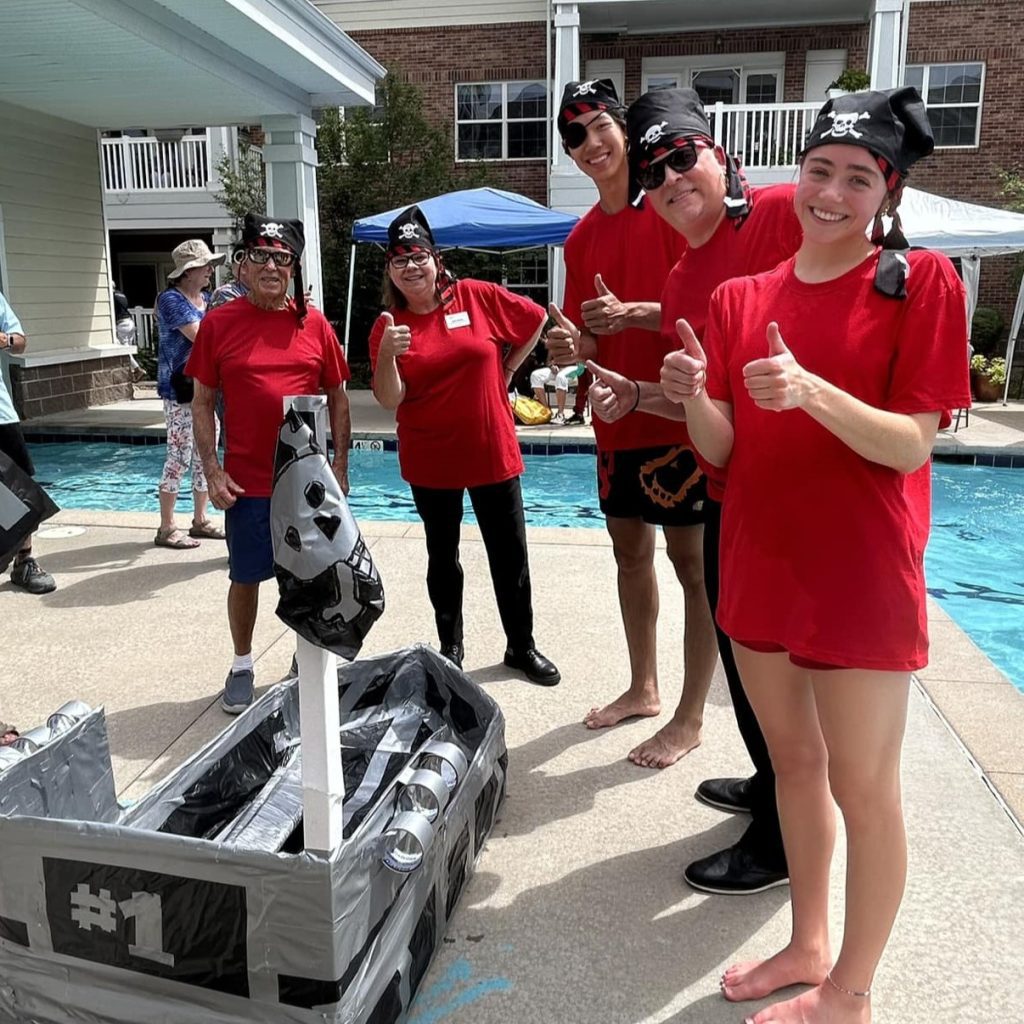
<point>845,124</point>
<point>407,232</point>
<point>586,89</point>
<point>654,133</point>
<point>272,230</point>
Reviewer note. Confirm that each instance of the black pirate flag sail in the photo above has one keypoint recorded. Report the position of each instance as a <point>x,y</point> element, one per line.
<point>330,591</point>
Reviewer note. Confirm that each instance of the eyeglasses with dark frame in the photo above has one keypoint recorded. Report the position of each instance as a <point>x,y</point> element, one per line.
<point>680,160</point>
<point>263,255</point>
<point>417,259</point>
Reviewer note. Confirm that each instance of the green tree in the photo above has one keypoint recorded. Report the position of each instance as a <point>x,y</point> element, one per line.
<point>372,160</point>
<point>244,184</point>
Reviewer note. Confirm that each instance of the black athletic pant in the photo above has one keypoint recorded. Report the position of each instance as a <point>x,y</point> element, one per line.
<point>763,837</point>
<point>499,512</point>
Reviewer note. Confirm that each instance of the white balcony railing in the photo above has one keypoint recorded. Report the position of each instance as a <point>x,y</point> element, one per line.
<point>145,328</point>
<point>762,135</point>
<point>149,165</point>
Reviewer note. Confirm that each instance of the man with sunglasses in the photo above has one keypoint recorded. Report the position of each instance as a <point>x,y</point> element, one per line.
<point>731,230</point>
<point>617,259</point>
<point>256,350</point>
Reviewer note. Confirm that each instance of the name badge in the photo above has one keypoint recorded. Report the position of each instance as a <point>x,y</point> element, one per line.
<point>453,320</point>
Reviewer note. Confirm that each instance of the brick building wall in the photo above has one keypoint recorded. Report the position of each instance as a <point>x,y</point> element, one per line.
<point>990,31</point>
<point>436,59</point>
<point>794,42</point>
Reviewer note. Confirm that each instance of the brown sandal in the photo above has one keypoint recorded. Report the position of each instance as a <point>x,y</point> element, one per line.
<point>206,530</point>
<point>172,537</point>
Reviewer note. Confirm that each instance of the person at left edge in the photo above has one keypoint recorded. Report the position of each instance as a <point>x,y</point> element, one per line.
<point>438,360</point>
<point>256,350</point>
<point>25,573</point>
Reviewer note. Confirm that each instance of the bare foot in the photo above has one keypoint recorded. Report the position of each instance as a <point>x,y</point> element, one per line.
<point>670,743</point>
<point>760,978</point>
<point>822,1005</point>
<point>629,705</point>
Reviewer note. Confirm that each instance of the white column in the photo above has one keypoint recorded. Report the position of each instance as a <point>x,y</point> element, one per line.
<point>567,69</point>
<point>291,161</point>
<point>885,44</point>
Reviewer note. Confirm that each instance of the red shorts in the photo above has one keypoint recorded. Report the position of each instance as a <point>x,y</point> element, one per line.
<point>764,647</point>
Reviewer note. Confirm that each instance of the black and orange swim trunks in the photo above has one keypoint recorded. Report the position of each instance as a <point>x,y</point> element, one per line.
<point>663,485</point>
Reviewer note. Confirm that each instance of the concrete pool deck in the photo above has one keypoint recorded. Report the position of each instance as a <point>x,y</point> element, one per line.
<point>577,911</point>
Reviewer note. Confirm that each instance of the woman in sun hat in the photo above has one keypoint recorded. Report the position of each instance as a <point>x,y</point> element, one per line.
<point>179,310</point>
<point>822,387</point>
<point>443,355</point>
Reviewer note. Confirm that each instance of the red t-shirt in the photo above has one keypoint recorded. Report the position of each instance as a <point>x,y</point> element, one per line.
<point>256,357</point>
<point>633,251</point>
<point>822,550</point>
<point>455,426</point>
<point>769,234</point>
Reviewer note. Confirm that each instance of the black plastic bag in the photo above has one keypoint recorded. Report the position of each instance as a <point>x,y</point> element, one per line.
<point>23,506</point>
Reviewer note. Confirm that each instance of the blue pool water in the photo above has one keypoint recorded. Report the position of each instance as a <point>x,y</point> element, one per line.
<point>974,563</point>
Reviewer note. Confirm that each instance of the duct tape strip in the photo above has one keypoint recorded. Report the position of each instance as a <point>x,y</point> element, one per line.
<point>412,837</point>
<point>434,784</point>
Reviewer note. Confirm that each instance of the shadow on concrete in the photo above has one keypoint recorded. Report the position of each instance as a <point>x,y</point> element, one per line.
<point>125,580</point>
<point>615,942</point>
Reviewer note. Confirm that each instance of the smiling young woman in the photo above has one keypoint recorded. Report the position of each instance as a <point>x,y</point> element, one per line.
<point>822,388</point>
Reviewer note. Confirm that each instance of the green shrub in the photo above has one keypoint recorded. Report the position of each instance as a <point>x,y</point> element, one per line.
<point>852,80</point>
<point>987,330</point>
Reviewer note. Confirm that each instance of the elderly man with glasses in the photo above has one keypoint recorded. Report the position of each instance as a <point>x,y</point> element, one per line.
<point>256,350</point>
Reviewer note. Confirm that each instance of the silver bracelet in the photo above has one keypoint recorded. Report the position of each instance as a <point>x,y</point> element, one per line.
<point>846,991</point>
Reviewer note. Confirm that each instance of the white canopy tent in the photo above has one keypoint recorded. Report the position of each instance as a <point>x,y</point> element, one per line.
<point>969,232</point>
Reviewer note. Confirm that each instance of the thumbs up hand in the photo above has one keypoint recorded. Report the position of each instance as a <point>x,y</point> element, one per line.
<point>611,395</point>
<point>683,372</point>
<point>396,338</point>
<point>777,382</point>
<point>562,340</point>
<point>605,314</point>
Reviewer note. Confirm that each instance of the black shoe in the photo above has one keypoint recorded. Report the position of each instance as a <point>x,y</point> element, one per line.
<point>576,417</point>
<point>726,794</point>
<point>27,575</point>
<point>534,666</point>
<point>733,872</point>
<point>454,653</point>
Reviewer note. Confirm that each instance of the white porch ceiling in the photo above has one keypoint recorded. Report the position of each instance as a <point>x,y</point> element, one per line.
<point>170,63</point>
<point>645,16</point>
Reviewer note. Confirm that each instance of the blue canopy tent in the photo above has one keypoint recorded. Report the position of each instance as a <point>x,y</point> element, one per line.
<point>476,218</point>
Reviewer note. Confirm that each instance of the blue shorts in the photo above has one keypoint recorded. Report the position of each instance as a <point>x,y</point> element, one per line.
<point>250,549</point>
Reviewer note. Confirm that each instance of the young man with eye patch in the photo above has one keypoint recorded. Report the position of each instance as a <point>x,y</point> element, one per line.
<point>617,259</point>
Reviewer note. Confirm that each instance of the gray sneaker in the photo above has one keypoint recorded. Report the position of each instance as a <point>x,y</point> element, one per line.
<point>27,575</point>
<point>238,692</point>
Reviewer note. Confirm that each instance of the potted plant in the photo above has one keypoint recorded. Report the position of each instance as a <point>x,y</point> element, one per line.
<point>988,378</point>
<point>851,80</point>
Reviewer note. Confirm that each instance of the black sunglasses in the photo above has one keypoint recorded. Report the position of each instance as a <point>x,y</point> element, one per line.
<point>681,160</point>
<point>263,255</point>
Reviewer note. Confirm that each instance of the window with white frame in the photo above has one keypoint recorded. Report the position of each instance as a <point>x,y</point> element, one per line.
<point>527,274</point>
<point>501,121</point>
<point>952,93</point>
<point>720,78</point>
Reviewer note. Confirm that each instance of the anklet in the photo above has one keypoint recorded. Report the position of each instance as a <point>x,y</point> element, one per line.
<point>845,991</point>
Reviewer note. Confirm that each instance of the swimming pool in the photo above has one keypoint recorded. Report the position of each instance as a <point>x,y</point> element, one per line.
<point>974,563</point>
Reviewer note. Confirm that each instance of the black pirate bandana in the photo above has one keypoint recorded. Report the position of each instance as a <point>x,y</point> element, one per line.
<point>259,232</point>
<point>580,98</point>
<point>893,126</point>
<point>274,232</point>
<point>665,119</point>
<point>408,232</point>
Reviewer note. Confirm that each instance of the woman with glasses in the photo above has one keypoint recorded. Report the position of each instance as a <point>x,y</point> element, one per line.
<point>616,261</point>
<point>443,355</point>
<point>822,389</point>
